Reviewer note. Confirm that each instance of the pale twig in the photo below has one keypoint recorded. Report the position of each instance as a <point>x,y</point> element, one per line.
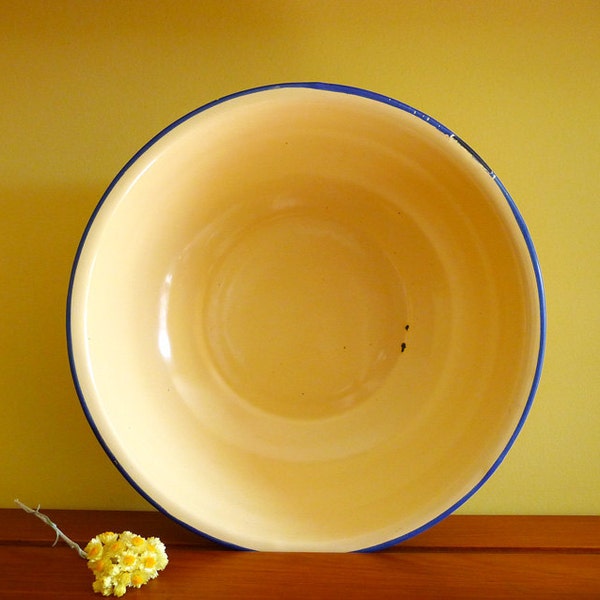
<point>59,533</point>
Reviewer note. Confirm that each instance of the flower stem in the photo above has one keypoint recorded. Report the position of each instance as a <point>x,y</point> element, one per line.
<point>59,533</point>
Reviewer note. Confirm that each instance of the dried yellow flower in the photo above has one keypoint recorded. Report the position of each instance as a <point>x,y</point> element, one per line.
<point>118,560</point>
<point>124,560</point>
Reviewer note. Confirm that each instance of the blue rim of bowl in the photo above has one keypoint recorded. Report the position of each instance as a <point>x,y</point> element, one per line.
<point>356,91</point>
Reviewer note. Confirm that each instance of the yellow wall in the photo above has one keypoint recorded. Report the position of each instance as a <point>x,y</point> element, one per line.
<point>85,84</point>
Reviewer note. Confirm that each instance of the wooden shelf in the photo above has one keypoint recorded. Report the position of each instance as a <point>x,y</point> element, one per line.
<point>462,557</point>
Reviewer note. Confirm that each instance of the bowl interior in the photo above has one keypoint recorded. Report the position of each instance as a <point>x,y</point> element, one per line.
<point>305,320</point>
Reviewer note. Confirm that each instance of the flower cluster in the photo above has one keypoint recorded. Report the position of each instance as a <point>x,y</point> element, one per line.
<point>121,560</point>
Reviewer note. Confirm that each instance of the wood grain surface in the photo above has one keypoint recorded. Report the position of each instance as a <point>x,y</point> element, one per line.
<point>461,557</point>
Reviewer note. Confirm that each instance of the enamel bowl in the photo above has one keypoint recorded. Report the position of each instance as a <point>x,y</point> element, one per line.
<point>306,317</point>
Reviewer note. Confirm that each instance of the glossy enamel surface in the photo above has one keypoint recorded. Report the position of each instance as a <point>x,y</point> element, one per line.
<point>306,318</point>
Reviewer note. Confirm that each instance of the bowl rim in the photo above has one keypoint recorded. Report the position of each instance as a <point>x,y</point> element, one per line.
<point>370,95</point>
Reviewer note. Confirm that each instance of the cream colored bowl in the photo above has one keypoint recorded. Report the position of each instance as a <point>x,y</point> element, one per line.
<point>306,318</point>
